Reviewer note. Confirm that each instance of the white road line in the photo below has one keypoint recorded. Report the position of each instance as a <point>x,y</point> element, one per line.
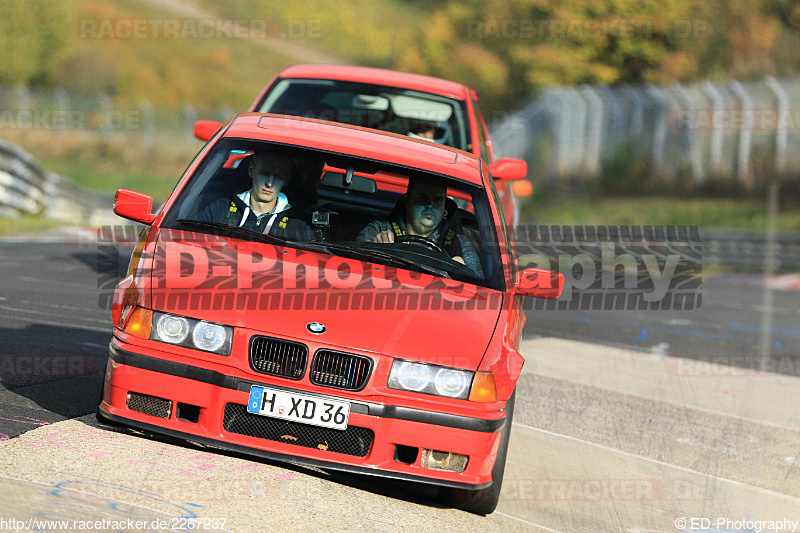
<point>61,306</point>
<point>526,522</point>
<point>57,282</point>
<point>61,324</point>
<point>656,461</point>
<point>31,312</point>
<point>95,345</point>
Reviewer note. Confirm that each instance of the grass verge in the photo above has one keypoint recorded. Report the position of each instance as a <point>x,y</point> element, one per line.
<point>25,224</point>
<point>742,214</point>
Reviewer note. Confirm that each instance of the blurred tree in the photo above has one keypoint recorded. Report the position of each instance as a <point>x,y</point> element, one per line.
<point>34,39</point>
<point>527,44</point>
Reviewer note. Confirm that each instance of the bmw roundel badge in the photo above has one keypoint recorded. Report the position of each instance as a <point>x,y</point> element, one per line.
<point>316,328</point>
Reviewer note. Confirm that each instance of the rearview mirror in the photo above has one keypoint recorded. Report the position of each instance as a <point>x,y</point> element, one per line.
<point>540,283</point>
<point>509,169</point>
<point>349,181</point>
<point>134,206</point>
<point>205,129</point>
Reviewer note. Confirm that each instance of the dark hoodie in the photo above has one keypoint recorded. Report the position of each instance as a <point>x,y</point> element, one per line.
<point>236,211</point>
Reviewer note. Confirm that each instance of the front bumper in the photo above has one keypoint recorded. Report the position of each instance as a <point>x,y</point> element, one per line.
<point>218,400</point>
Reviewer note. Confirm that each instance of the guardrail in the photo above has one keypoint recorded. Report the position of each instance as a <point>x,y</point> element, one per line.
<point>26,188</point>
<point>22,181</point>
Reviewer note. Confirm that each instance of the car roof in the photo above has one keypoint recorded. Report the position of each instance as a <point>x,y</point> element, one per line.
<point>356,141</point>
<point>378,76</point>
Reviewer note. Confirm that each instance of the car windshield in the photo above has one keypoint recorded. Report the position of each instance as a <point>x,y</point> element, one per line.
<point>342,206</point>
<point>417,114</point>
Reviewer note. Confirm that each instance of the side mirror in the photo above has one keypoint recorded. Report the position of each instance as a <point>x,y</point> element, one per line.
<point>540,283</point>
<point>205,129</point>
<point>134,206</point>
<point>509,169</point>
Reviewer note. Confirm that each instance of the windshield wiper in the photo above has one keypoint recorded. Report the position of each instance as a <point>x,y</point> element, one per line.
<point>218,228</point>
<point>369,252</point>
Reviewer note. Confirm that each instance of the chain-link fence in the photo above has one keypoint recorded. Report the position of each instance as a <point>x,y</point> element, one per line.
<point>746,132</point>
<point>136,124</point>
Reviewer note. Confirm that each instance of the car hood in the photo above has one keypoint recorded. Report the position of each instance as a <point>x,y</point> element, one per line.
<point>362,306</point>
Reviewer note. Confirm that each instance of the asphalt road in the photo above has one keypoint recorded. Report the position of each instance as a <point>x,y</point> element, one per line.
<point>727,323</point>
<point>605,438</point>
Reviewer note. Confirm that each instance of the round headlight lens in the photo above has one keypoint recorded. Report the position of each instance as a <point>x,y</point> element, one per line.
<point>413,376</point>
<point>173,329</point>
<point>208,336</point>
<point>452,383</point>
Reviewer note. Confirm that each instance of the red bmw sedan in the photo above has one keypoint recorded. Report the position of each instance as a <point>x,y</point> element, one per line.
<point>329,295</point>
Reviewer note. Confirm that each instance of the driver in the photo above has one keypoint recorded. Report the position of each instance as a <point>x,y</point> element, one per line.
<point>422,211</point>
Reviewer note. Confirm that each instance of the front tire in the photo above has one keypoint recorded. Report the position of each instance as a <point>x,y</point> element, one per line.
<point>484,501</point>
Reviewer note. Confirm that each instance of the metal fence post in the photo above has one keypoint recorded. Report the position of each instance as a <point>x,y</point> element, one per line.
<point>594,129</point>
<point>780,132</point>
<point>62,97</point>
<point>768,298</point>
<point>743,154</point>
<point>636,110</point>
<point>561,116</point>
<point>718,106</point>
<point>660,99</point>
<point>22,97</point>
<point>189,117</point>
<point>690,135</point>
<point>106,109</point>
<point>549,104</point>
<point>577,129</point>
<point>148,125</point>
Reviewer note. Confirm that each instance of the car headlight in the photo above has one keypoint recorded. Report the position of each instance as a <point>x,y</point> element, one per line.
<point>208,336</point>
<point>192,333</point>
<point>172,329</point>
<point>430,379</point>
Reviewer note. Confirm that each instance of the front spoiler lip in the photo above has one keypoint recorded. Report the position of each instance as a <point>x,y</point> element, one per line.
<point>289,458</point>
<point>153,364</point>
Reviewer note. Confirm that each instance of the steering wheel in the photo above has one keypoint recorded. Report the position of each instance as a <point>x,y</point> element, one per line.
<point>424,241</point>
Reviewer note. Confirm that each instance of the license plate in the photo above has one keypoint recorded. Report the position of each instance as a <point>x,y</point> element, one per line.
<point>296,407</point>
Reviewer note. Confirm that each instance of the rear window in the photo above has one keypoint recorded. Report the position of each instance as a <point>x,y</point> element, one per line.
<point>416,114</point>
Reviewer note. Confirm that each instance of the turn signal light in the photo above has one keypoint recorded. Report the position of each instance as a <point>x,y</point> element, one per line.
<point>139,323</point>
<point>483,388</point>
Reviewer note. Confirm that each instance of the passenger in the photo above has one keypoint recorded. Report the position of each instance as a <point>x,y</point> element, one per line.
<point>424,211</point>
<point>263,207</point>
